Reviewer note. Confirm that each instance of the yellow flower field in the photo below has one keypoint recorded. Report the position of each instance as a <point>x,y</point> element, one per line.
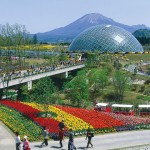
<point>16,122</point>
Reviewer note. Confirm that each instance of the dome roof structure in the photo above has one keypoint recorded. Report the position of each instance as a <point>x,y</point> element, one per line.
<point>106,38</point>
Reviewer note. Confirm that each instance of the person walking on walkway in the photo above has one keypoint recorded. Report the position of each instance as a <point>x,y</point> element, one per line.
<point>61,136</point>
<point>45,135</point>
<point>18,141</point>
<point>61,125</point>
<point>26,145</point>
<point>89,135</point>
<point>71,141</point>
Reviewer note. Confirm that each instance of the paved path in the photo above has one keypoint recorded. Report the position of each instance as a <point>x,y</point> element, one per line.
<point>107,141</point>
<point>131,68</point>
<point>132,140</point>
<point>6,138</point>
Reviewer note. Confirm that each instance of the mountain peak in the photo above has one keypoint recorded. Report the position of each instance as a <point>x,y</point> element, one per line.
<point>96,15</point>
<point>94,18</point>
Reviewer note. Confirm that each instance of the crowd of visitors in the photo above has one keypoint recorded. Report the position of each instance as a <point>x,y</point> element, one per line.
<point>33,70</point>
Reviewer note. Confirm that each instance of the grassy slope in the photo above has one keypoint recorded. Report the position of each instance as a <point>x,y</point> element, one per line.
<point>130,97</point>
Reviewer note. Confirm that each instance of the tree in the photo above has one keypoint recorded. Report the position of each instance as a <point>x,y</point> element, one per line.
<point>117,64</point>
<point>35,41</point>
<point>92,59</point>
<point>78,91</point>
<point>1,93</point>
<point>120,82</point>
<point>21,38</point>
<point>98,79</point>
<point>43,92</point>
<point>12,37</point>
<point>62,57</point>
<point>135,70</point>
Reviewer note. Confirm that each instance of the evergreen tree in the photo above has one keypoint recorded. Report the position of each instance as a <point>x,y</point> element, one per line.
<point>35,41</point>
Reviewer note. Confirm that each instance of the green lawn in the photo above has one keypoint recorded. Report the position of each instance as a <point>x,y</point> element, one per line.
<point>137,57</point>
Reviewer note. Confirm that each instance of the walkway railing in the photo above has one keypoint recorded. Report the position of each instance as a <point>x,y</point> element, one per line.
<point>34,71</point>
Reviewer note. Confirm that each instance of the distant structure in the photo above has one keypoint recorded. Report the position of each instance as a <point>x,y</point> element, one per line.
<point>106,38</point>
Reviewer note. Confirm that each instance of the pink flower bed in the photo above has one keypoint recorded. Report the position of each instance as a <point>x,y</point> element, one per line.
<point>129,120</point>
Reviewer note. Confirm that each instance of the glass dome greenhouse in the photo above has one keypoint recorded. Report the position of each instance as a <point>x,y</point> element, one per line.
<point>106,38</point>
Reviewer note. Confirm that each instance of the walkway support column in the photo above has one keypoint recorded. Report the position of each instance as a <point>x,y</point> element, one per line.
<point>66,76</point>
<point>29,85</point>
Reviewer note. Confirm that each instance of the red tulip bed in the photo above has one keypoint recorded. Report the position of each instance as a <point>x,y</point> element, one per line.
<point>101,122</point>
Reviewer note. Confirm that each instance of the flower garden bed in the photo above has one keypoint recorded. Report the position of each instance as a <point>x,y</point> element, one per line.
<point>17,122</point>
<point>76,118</point>
<point>130,120</point>
<point>31,113</point>
<point>97,119</point>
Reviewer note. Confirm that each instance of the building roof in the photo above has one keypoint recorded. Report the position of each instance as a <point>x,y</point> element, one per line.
<point>144,106</point>
<point>122,105</point>
<point>106,38</point>
<point>101,104</point>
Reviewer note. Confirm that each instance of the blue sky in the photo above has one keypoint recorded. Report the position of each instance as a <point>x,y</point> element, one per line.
<point>45,15</point>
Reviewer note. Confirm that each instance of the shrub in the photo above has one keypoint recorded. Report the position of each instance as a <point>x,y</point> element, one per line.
<point>126,65</point>
<point>148,72</point>
<point>142,88</point>
<point>143,97</point>
<point>109,96</point>
<point>134,87</point>
<point>147,82</point>
<point>147,91</point>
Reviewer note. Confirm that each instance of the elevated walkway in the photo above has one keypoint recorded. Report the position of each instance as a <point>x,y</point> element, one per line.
<point>24,76</point>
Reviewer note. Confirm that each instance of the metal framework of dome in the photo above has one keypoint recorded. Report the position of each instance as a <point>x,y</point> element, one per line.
<point>106,38</point>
